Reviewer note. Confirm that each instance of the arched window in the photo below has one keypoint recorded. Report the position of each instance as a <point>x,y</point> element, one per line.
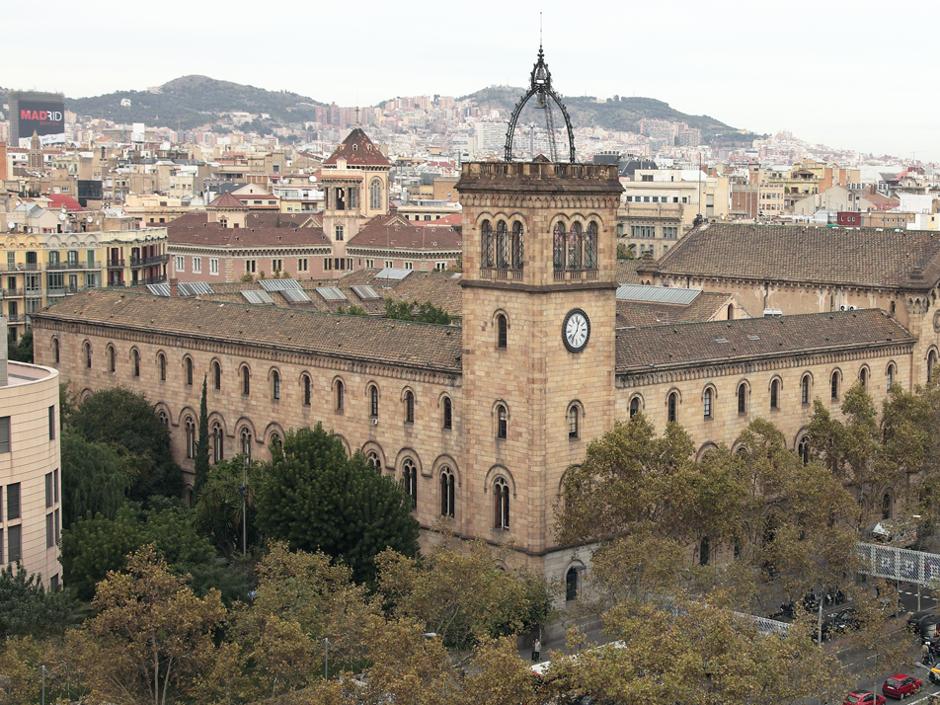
<point>410,480</point>
<point>574,247</point>
<point>886,506</point>
<point>188,364</point>
<point>931,364</point>
<point>634,406</point>
<point>834,386</point>
<point>571,584</point>
<point>409,406</point>
<point>704,551</point>
<point>518,244</point>
<point>135,362</point>
<point>502,421</point>
<point>373,401</point>
<point>164,419</point>
<point>486,244</point>
<point>804,390</point>
<point>574,421</point>
<point>448,421</point>
<point>246,381</point>
<point>447,492</point>
<point>502,245</point>
<point>707,402</point>
<point>216,375</point>
<point>55,350</point>
<point>218,443</point>
<point>863,377</point>
<point>889,375</point>
<point>161,364</point>
<point>339,396</point>
<point>275,442</point>
<point>730,312</point>
<point>774,394</point>
<point>112,359</point>
<point>86,351</point>
<point>590,246</point>
<point>558,247</point>
<point>374,460</point>
<point>802,449</point>
<point>190,437</point>
<point>307,389</point>
<point>672,407</point>
<point>742,398</point>
<point>275,385</point>
<point>502,331</point>
<point>245,437</point>
<point>501,502</point>
<point>375,194</point>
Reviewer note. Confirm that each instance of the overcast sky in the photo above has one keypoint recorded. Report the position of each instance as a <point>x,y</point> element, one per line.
<point>854,74</point>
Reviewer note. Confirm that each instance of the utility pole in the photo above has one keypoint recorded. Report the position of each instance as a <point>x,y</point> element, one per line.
<point>42,670</point>
<point>326,657</point>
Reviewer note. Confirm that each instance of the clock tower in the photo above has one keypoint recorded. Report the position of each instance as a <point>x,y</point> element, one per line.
<point>539,316</point>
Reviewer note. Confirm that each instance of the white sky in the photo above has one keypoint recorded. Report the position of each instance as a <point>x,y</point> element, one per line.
<point>857,74</point>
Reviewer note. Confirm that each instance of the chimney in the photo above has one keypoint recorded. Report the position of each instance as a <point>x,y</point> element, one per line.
<point>174,288</point>
<point>3,351</point>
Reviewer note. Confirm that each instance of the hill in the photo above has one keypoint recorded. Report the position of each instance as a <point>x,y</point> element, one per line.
<point>190,101</point>
<point>617,113</point>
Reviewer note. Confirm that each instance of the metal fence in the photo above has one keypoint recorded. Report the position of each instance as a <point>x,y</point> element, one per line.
<point>765,625</point>
<point>899,563</point>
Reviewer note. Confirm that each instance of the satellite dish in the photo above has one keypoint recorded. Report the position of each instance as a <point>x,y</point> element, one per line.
<point>61,216</point>
<point>89,218</point>
<point>11,225</point>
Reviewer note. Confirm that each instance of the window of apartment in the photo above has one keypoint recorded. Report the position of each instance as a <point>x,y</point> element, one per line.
<point>277,265</point>
<point>197,265</point>
<point>213,265</point>
<point>49,480</point>
<point>670,232</point>
<point>13,501</point>
<point>250,266</point>
<point>15,543</point>
<point>180,263</point>
<point>327,264</point>
<point>50,530</point>
<point>409,265</point>
<point>646,177</point>
<point>440,266</point>
<point>642,231</point>
<point>339,233</point>
<point>389,264</point>
<point>370,264</point>
<point>4,434</point>
<point>52,423</point>
<point>302,264</point>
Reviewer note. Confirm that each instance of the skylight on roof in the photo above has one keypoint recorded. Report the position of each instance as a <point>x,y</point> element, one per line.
<point>393,273</point>
<point>254,296</point>
<point>365,292</point>
<point>657,294</point>
<point>331,293</point>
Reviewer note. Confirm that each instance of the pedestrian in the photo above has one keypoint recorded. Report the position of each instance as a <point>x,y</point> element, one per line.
<point>925,652</point>
<point>536,649</point>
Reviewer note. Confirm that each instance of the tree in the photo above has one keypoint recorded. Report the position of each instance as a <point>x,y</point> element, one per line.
<point>21,671</point>
<point>316,498</point>
<point>218,509</point>
<point>152,635</point>
<point>21,350</point>
<point>202,444</point>
<point>353,310</point>
<point>423,313</point>
<point>94,479</point>
<point>128,422</point>
<point>462,593</point>
<point>26,608</point>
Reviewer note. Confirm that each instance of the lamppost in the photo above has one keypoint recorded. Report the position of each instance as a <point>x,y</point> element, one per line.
<point>42,670</point>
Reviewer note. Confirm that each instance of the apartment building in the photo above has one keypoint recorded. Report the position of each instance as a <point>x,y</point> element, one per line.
<point>30,481</point>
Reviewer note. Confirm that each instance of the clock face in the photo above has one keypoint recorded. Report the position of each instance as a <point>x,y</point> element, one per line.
<point>576,330</point>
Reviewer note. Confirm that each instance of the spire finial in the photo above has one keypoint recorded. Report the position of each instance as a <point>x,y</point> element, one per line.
<point>540,30</point>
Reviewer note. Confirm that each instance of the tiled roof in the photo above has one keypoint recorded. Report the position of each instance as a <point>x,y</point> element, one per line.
<point>195,229</point>
<point>366,338</point>
<point>649,348</point>
<point>863,257</point>
<point>706,306</point>
<point>626,271</point>
<point>358,150</point>
<point>226,200</point>
<point>58,201</point>
<point>392,232</point>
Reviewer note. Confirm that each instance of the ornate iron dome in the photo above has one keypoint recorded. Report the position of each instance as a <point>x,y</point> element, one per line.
<point>540,84</point>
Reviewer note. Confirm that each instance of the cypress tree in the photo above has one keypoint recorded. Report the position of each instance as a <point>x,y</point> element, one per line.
<point>202,444</point>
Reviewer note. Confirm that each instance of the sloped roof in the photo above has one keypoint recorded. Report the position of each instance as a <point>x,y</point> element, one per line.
<point>58,201</point>
<point>869,257</point>
<point>707,306</point>
<point>195,229</point>
<point>392,232</point>
<point>358,150</point>
<point>650,348</point>
<point>226,200</point>
<point>370,339</point>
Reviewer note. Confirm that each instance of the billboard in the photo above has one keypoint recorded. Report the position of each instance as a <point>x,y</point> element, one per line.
<point>37,113</point>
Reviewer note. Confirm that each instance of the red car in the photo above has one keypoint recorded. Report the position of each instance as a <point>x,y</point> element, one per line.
<point>901,685</point>
<point>864,697</point>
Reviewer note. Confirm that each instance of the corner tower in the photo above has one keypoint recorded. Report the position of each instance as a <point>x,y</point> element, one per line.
<point>539,314</point>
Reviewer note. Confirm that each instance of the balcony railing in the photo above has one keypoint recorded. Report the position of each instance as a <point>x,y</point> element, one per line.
<point>500,273</point>
<point>575,275</point>
<point>148,261</point>
<point>52,292</point>
<point>115,264</point>
<point>12,293</point>
<point>14,318</point>
<point>33,293</point>
<point>60,266</point>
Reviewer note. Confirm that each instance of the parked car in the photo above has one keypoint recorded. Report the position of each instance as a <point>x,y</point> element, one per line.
<point>900,685</point>
<point>934,674</point>
<point>864,697</point>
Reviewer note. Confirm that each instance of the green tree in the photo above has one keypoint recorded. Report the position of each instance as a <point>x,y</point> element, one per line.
<point>202,444</point>
<point>462,593</point>
<point>21,671</point>
<point>317,498</point>
<point>128,422</point>
<point>423,313</point>
<point>151,637</point>
<point>26,608</point>
<point>353,310</point>
<point>218,508</point>
<point>22,349</point>
<point>94,479</point>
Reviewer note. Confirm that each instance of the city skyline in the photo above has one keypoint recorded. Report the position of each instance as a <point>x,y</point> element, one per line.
<point>711,61</point>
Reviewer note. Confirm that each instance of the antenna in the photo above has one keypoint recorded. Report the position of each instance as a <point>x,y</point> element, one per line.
<point>540,29</point>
